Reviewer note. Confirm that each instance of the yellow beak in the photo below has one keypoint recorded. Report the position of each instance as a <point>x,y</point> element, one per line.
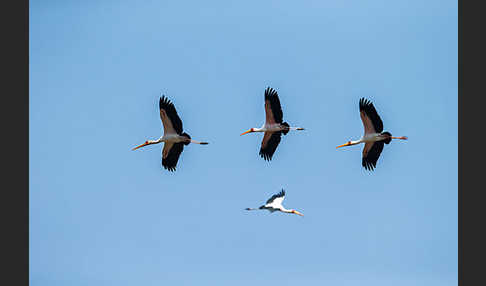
<point>246,132</point>
<point>344,145</point>
<point>298,213</point>
<point>140,146</point>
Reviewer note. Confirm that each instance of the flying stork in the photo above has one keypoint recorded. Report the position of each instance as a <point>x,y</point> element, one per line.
<point>174,139</point>
<point>274,125</point>
<point>374,137</point>
<point>275,204</point>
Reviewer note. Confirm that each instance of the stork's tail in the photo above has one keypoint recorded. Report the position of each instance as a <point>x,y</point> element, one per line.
<point>253,209</point>
<point>388,139</point>
<point>188,137</point>
<point>287,128</point>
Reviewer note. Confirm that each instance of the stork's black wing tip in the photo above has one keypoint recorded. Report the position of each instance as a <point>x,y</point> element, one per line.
<point>164,101</point>
<point>170,169</point>
<point>269,91</point>
<point>266,156</point>
<point>364,103</point>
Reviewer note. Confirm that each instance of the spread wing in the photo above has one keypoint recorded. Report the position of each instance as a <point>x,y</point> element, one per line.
<point>273,110</point>
<point>170,119</point>
<point>276,200</point>
<point>371,153</point>
<point>269,144</point>
<point>170,155</point>
<point>371,120</point>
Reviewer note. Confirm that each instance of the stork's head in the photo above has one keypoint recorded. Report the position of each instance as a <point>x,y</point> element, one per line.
<point>248,131</point>
<point>145,144</point>
<point>297,213</point>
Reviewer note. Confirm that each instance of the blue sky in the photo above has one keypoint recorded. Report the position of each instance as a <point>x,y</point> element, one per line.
<point>101,214</point>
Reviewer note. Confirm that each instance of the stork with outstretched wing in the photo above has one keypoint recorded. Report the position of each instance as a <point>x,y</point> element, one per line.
<point>274,204</point>
<point>174,138</point>
<point>374,137</point>
<point>274,125</point>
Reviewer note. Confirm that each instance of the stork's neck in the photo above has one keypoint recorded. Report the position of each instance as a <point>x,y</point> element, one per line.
<point>149,142</point>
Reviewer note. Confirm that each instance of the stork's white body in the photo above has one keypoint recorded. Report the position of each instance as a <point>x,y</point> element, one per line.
<point>274,127</point>
<point>370,138</point>
<point>172,138</point>
<point>276,205</point>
